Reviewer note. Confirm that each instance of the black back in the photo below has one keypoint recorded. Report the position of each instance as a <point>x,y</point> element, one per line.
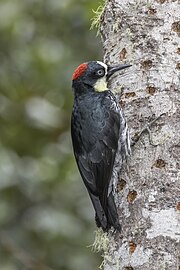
<point>95,133</point>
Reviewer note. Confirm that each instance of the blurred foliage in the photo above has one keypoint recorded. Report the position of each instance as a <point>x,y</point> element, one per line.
<point>46,218</point>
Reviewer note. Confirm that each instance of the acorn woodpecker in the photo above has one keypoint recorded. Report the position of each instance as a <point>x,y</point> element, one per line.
<point>100,137</point>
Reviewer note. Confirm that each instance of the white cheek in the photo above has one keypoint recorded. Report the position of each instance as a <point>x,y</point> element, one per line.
<point>101,85</point>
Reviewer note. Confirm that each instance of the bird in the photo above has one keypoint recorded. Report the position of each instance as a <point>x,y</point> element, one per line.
<point>100,137</point>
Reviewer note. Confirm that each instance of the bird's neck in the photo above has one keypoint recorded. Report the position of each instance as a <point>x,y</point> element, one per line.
<point>82,89</point>
<point>85,89</point>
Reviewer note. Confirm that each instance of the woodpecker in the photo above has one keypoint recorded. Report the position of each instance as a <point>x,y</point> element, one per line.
<point>100,137</point>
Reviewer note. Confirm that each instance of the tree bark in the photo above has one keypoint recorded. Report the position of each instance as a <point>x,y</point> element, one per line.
<point>147,34</point>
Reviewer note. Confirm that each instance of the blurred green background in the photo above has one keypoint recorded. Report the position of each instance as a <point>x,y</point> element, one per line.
<point>46,218</point>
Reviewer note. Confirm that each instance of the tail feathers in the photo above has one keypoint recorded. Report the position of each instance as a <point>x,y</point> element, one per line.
<point>106,218</point>
<point>101,219</point>
<point>113,219</point>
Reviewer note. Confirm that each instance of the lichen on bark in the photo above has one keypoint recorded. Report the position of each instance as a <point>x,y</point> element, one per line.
<point>146,34</point>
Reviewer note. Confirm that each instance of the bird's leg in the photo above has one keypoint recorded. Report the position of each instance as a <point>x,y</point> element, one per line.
<point>137,136</point>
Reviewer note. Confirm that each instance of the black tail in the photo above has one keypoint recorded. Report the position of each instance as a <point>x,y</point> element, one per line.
<point>101,219</point>
<point>106,218</point>
<point>112,215</point>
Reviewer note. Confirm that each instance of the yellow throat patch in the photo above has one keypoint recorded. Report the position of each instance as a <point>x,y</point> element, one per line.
<point>101,85</point>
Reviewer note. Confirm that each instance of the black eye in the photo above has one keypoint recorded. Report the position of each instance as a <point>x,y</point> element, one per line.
<point>100,72</point>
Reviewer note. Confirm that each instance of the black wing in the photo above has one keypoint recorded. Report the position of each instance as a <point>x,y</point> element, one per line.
<point>95,145</point>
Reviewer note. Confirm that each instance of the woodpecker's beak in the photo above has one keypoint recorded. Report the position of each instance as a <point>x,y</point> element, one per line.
<point>112,69</point>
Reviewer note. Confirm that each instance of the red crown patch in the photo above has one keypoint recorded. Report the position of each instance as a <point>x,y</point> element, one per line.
<point>79,71</point>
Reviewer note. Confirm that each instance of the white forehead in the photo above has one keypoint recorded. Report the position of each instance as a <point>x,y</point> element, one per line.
<point>104,65</point>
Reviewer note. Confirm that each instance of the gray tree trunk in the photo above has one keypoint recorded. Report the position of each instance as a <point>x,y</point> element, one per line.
<point>147,34</point>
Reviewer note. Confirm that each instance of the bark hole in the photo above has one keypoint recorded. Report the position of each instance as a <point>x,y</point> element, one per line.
<point>176,27</point>
<point>178,66</point>
<point>131,196</point>
<point>151,90</point>
<point>147,64</point>
<point>121,184</point>
<point>160,163</point>
<point>152,11</point>
<point>132,247</point>
<point>123,54</point>
<point>178,206</point>
<point>161,1</point>
<point>130,94</point>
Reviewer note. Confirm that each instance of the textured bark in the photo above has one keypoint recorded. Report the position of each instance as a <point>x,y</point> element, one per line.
<point>147,34</point>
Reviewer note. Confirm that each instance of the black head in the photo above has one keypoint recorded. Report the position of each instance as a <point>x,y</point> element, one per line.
<point>96,74</point>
